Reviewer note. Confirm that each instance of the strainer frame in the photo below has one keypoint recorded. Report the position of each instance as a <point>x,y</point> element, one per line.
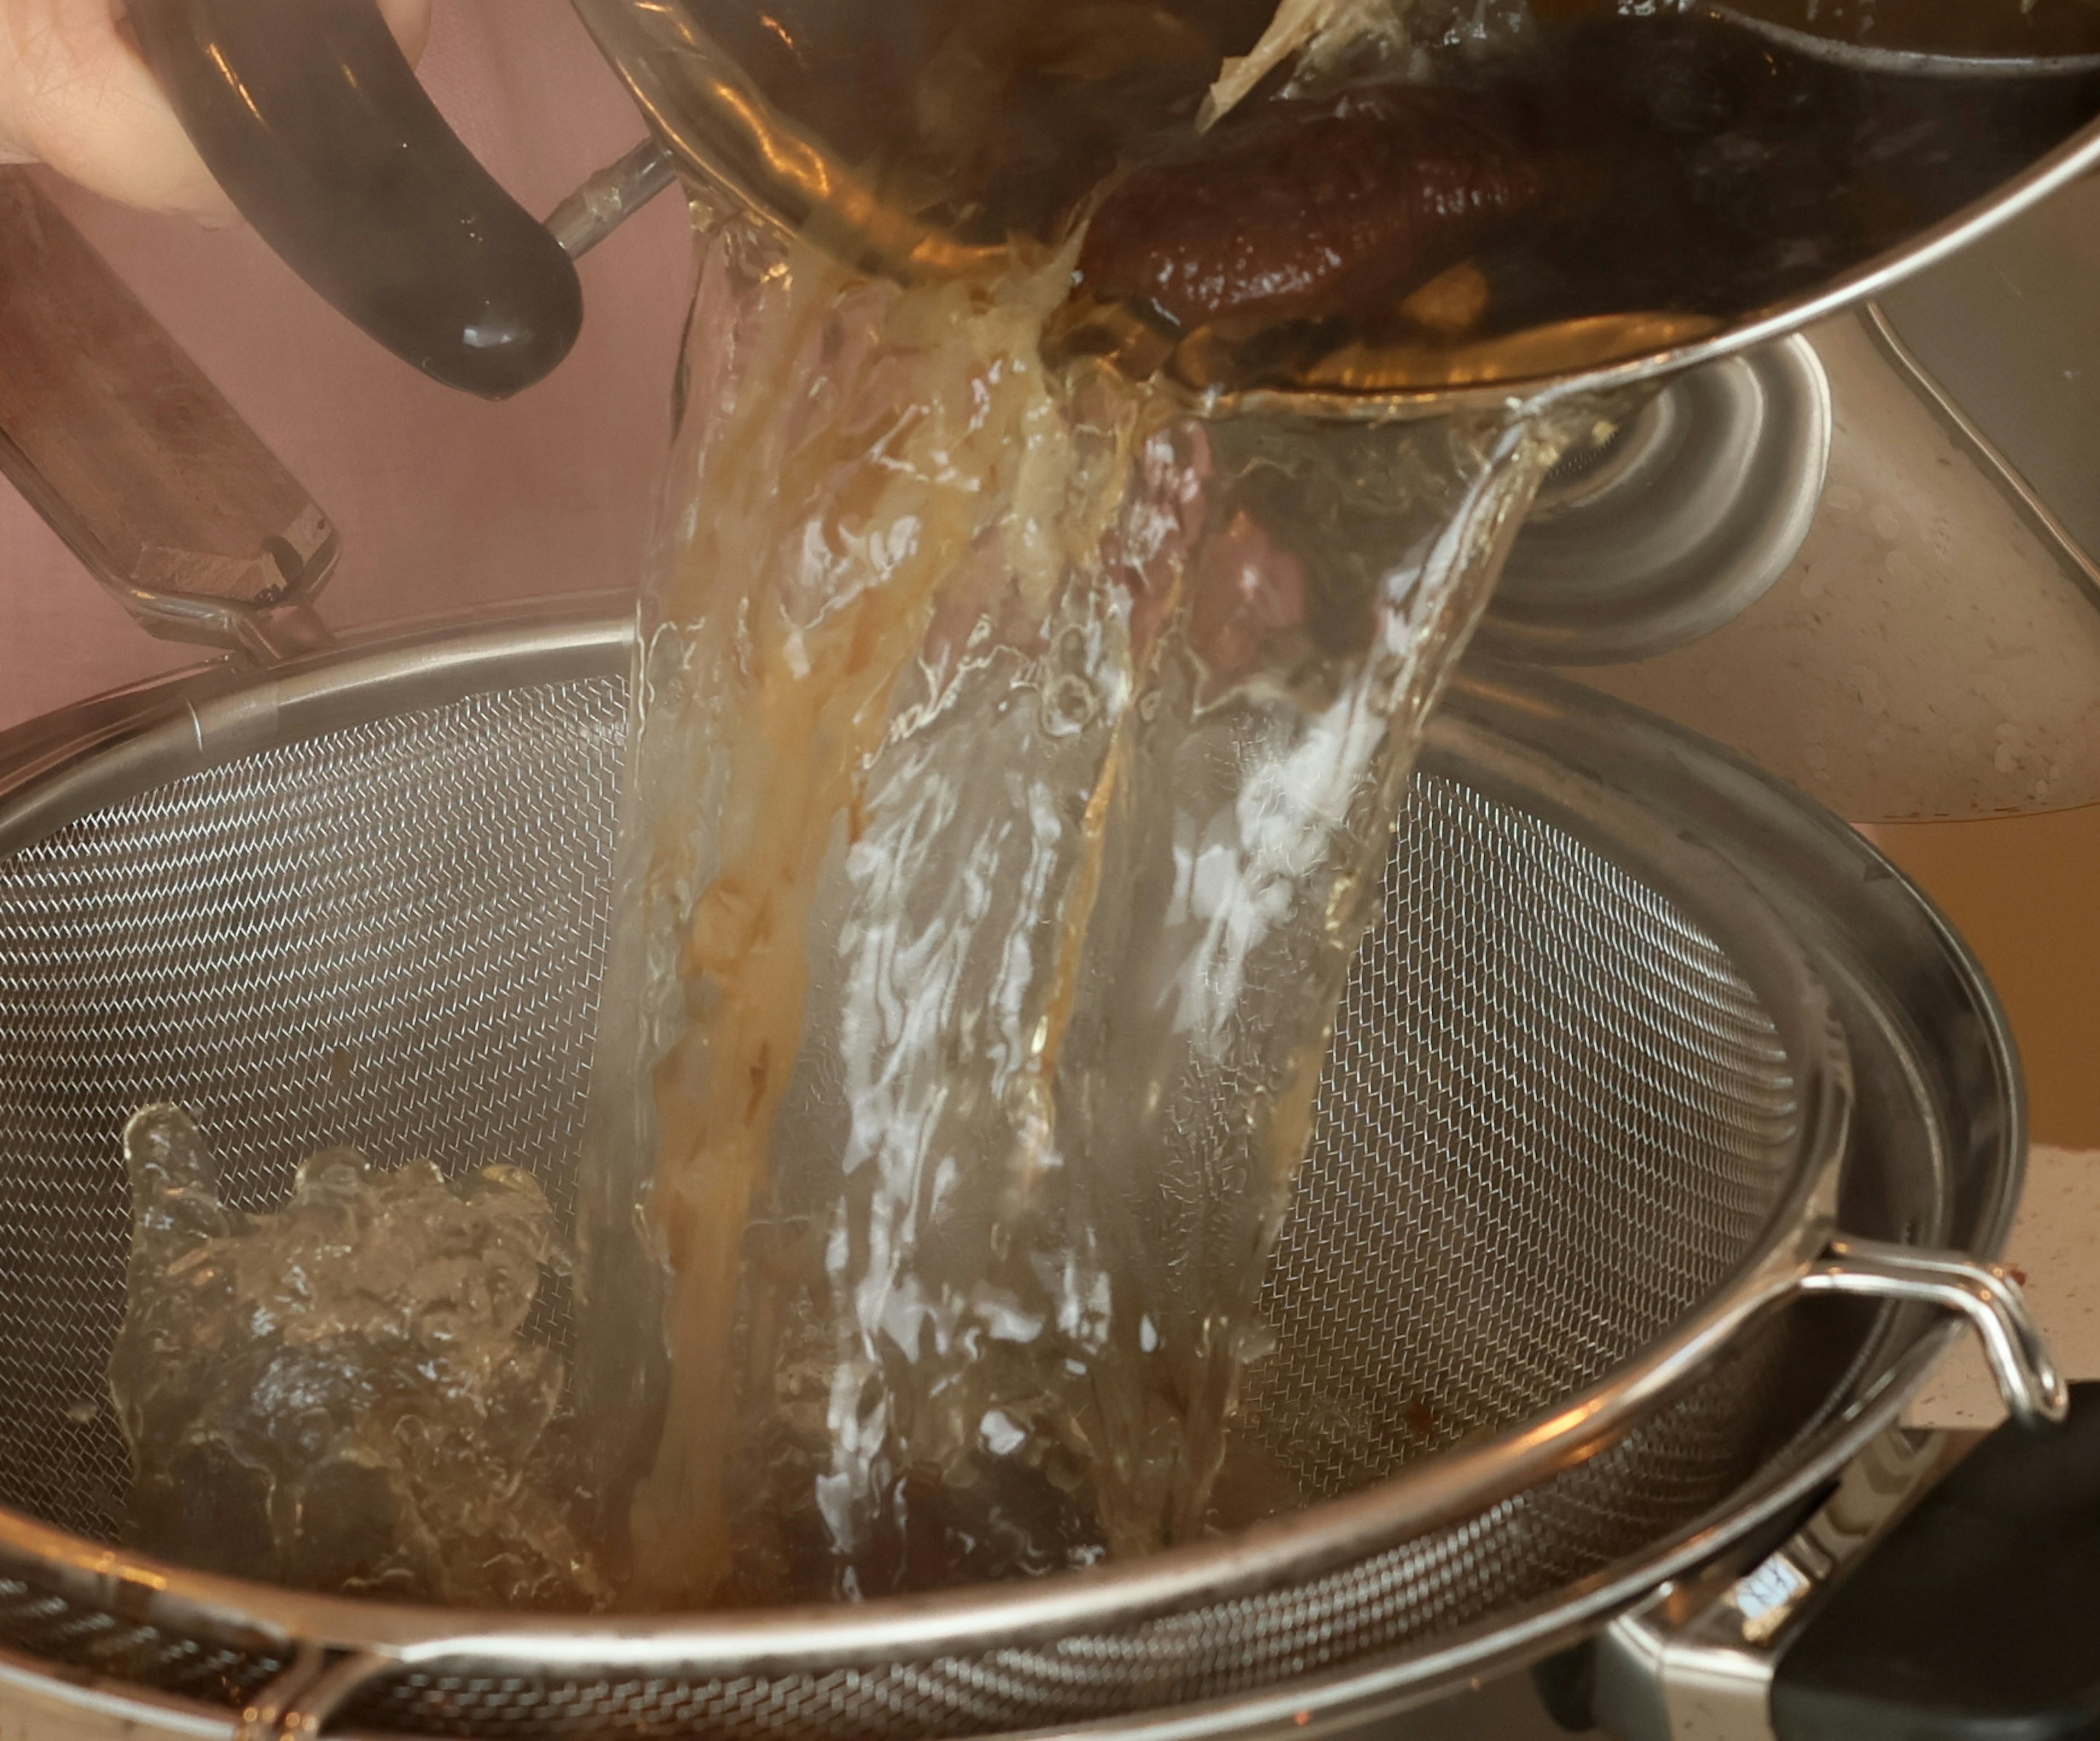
<point>199,726</point>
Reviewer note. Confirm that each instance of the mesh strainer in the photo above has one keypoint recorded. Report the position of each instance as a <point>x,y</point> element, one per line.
<point>1576,1161</point>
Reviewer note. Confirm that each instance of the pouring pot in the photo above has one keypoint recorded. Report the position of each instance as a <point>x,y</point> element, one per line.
<point>313,122</point>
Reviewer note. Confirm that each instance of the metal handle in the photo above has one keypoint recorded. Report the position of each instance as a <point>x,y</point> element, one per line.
<point>298,1703</point>
<point>612,197</point>
<point>136,460</point>
<point>2034,1389</point>
<point>313,122</point>
<point>1705,1657</point>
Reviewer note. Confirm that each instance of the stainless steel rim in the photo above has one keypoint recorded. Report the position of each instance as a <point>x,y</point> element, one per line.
<point>1916,62</point>
<point>2058,169</point>
<point>175,730</point>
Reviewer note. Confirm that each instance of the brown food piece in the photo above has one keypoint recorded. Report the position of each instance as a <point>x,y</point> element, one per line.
<point>1304,209</point>
<point>1248,588</point>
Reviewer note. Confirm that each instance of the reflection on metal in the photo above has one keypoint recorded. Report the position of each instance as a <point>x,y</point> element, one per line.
<point>1916,63</point>
<point>1695,1662</point>
<point>1676,520</point>
<point>297,1704</point>
<point>610,197</point>
<point>1933,651</point>
<point>262,1718</point>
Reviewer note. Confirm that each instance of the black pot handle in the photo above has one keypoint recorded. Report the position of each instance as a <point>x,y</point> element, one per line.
<point>1979,1618</point>
<point>312,120</point>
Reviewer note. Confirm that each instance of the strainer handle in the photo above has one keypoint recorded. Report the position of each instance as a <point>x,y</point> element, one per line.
<point>2033,1389</point>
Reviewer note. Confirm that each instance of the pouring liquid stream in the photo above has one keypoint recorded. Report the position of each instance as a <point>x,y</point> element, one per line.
<point>1052,743</point>
<point>1099,700</point>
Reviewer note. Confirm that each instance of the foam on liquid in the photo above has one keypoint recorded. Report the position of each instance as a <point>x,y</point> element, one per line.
<point>340,1395</point>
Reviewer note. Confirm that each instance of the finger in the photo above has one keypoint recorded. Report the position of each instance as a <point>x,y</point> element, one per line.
<point>410,22</point>
<point>75,94</point>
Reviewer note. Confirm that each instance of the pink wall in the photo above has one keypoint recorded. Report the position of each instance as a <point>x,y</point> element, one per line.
<point>443,501</point>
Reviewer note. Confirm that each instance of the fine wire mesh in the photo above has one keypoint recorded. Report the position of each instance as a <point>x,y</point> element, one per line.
<point>1669,1471</point>
<point>1553,1120</point>
<point>390,936</point>
<point>36,1624</point>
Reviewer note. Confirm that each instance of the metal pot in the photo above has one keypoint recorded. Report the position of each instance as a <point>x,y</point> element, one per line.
<point>314,122</point>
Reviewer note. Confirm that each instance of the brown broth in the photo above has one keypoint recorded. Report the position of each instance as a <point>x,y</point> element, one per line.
<point>1769,173</point>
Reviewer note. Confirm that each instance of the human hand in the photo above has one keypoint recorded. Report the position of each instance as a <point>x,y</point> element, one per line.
<point>445,502</point>
<point>75,94</point>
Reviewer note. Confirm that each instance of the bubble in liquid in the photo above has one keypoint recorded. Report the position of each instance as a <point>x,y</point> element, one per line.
<point>341,1395</point>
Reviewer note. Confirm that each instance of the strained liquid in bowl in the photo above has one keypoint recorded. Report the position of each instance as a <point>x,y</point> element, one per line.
<point>1020,740</point>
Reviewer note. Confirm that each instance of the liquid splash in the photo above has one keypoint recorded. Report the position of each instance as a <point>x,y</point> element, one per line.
<point>340,1395</point>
